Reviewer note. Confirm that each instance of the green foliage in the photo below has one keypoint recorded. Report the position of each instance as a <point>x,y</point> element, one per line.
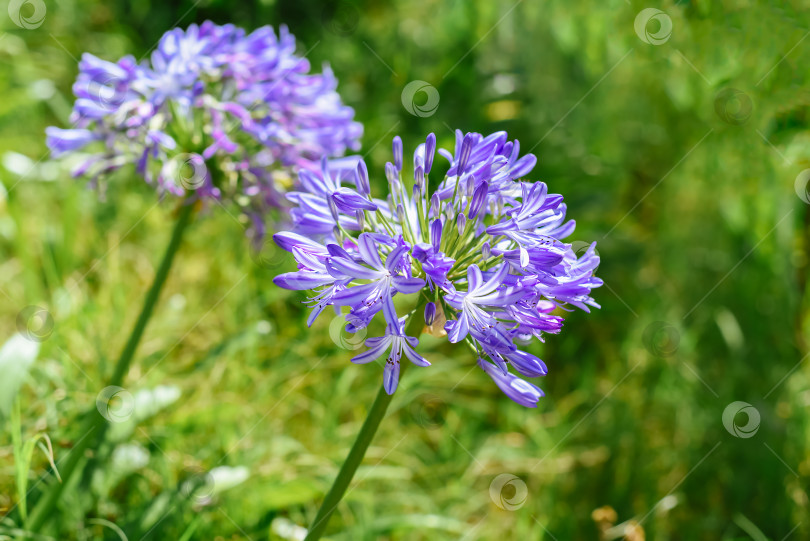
<point>680,159</point>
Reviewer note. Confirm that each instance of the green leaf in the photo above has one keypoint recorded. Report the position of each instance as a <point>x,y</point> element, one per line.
<point>23,454</point>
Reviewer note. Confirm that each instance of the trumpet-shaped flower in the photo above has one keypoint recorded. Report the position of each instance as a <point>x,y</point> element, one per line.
<point>398,343</point>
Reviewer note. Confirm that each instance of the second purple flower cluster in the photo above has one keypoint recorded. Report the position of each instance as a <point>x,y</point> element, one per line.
<point>215,112</point>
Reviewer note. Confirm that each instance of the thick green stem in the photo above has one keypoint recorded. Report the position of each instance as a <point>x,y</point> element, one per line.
<point>95,425</point>
<point>358,451</point>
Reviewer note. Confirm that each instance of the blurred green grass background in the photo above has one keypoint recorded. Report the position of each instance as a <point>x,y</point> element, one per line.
<point>679,158</point>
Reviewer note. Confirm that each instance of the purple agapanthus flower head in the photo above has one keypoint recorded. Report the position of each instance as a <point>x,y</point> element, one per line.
<point>215,112</point>
<point>483,252</point>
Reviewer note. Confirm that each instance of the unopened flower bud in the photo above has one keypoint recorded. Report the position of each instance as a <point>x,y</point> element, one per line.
<point>401,213</point>
<point>397,152</point>
<point>435,205</point>
<point>391,174</point>
<point>430,149</point>
<point>430,313</point>
<point>419,177</point>
<point>436,234</point>
<point>363,186</point>
<point>449,213</point>
<point>478,199</point>
<point>461,222</point>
